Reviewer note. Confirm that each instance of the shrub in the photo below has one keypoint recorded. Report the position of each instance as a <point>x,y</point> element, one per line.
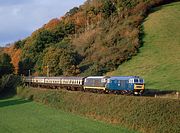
<point>8,84</point>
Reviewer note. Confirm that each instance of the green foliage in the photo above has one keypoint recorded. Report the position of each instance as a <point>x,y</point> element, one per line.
<point>146,114</point>
<point>108,8</point>
<point>69,29</point>
<point>128,3</point>
<point>32,57</point>
<point>7,80</point>
<point>72,11</point>
<point>8,84</point>
<point>60,61</point>
<point>44,38</point>
<point>6,66</point>
<point>25,67</point>
<point>19,44</point>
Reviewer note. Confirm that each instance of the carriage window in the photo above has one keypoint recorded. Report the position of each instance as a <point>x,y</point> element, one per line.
<point>103,80</point>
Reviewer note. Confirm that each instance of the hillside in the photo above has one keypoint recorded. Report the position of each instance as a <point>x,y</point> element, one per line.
<point>158,61</point>
<point>92,39</point>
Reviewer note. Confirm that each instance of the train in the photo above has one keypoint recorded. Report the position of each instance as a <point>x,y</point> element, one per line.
<point>108,84</point>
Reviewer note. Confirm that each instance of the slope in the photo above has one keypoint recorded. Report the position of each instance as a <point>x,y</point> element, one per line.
<point>158,60</point>
<point>20,116</point>
<point>144,114</point>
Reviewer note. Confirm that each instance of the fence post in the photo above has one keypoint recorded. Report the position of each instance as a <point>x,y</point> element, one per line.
<point>177,93</point>
<point>155,96</point>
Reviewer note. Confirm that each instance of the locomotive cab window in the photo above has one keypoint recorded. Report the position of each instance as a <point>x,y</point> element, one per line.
<point>141,80</point>
<point>135,80</point>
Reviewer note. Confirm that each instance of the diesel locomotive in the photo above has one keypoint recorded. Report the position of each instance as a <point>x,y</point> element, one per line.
<point>113,84</point>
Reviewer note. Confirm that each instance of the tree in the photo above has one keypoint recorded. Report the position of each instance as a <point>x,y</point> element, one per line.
<point>44,38</point>
<point>6,66</point>
<point>72,11</point>
<point>108,8</point>
<point>19,44</point>
<point>25,66</point>
<point>60,61</point>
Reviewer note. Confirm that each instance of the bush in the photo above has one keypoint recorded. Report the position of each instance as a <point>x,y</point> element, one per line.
<point>8,84</point>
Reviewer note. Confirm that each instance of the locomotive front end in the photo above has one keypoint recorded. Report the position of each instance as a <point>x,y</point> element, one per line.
<point>139,86</point>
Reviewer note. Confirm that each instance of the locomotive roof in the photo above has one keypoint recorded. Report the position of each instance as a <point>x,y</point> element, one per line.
<point>123,77</point>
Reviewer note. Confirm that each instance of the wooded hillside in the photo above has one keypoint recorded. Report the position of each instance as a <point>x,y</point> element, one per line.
<point>88,40</point>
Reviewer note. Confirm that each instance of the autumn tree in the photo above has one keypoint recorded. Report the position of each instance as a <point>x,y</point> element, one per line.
<point>60,61</point>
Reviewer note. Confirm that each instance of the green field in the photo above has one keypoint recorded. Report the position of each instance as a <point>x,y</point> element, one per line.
<point>144,114</point>
<point>23,116</point>
<point>158,61</point>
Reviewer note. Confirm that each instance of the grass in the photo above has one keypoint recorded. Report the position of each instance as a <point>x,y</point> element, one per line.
<point>158,61</point>
<point>23,116</point>
<point>145,114</point>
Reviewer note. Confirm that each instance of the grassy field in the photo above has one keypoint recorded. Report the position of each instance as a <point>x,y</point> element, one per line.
<point>145,114</point>
<point>23,116</point>
<point>158,61</point>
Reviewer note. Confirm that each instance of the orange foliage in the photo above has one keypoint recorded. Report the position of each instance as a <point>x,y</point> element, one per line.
<point>52,24</point>
<point>79,19</point>
<point>15,56</point>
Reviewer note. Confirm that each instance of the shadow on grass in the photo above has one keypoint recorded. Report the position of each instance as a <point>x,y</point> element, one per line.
<point>153,92</point>
<point>13,102</point>
<point>6,96</point>
<point>163,4</point>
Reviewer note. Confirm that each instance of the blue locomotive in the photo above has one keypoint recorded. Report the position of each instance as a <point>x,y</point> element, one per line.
<point>113,84</point>
<point>118,84</point>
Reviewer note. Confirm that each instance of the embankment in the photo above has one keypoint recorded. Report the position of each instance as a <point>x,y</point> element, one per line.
<point>146,114</point>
